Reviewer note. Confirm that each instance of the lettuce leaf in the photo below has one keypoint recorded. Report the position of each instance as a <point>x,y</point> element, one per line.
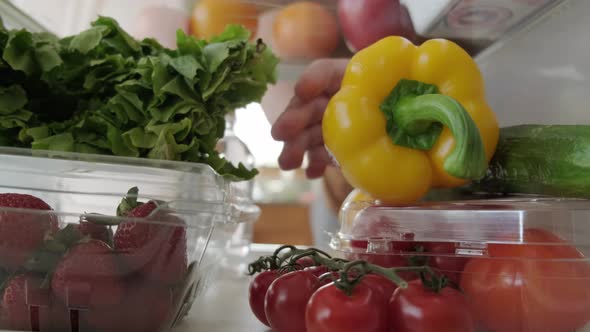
<point>101,91</point>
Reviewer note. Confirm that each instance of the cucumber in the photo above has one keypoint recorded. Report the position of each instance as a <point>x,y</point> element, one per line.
<point>547,160</point>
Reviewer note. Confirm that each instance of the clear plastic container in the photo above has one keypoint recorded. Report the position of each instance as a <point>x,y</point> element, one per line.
<point>154,263</point>
<point>521,262</point>
<point>233,149</point>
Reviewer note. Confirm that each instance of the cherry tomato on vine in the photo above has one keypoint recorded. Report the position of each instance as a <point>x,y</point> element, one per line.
<point>442,260</point>
<point>384,260</point>
<point>390,260</point>
<point>286,300</point>
<point>317,270</point>
<point>546,285</point>
<point>328,277</point>
<point>306,262</point>
<point>257,293</point>
<point>418,309</point>
<point>380,284</point>
<point>330,309</point>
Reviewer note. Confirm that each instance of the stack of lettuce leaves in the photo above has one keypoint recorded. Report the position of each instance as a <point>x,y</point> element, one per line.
<point>104,92</point>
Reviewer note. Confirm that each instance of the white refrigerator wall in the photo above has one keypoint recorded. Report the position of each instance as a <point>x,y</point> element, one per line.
<point>542,75</point>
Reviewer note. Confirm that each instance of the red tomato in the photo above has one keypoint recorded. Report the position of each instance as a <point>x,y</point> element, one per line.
<point>392,254</point>
<point>257,293</point>
<point>306,262</point>
<point>418,309</point>
<point>443,261</point>
<point>317,270</point>
<point>546,287</point>
<point>381,285</point>
<point>384,260</point>
<point>330,309</point>
<point>286,300</point>
<point>328,278</point>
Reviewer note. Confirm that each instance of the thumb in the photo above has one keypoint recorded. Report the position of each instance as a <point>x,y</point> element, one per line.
<point>321,77</point>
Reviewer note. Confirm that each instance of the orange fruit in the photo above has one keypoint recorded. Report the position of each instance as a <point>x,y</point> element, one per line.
<point>210,17</point>
<point>305,29</point>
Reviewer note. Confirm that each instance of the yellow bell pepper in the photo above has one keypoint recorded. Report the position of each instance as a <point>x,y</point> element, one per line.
<point>410,118</point>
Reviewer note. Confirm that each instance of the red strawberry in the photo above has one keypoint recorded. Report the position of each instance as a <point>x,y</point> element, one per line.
<point>143,210</point>
<point>146,307</point>
<point>28,307</point>
<point>95,231</point>
<point>170,265</point>
<point>14,307</point>
<point>88,276</point>
<point>21,232</point>
<point>152,248</point>
<point>60,317</point>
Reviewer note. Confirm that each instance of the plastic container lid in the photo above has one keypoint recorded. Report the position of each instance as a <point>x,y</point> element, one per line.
<point>520,263</point>
<point>70,182</point>
<point>471,224</point>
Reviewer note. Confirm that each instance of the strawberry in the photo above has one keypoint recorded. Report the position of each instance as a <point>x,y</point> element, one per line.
<point>143,210</point>
<point>170,264</point>
<point>14,308</point>
<point>88,276</point>
<point>60,316</point>
<point>21,232</point>
<point>146,307</point>
<point>154,249</point>
<point>95,231</point>
<point>26,306</point>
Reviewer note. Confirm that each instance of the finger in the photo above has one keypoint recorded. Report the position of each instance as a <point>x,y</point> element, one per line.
<point>290,158</point>
<point>297,118</point>
<point>319,159</point>
<point>293,151</point>
<point>322,77</point>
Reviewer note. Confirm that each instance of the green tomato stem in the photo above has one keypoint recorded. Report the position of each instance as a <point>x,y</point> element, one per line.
<point>351,272</point>
<point>362,267</point>
<point>281,248</point>
<point>435,283</point>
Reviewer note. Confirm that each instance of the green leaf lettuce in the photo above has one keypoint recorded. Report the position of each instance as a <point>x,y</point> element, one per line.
<point>101,91</point>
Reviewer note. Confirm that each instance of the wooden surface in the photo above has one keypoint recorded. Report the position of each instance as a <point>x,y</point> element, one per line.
<point>283,224</point>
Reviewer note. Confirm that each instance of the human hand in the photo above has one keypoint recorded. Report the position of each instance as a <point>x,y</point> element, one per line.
<point>300,125</point>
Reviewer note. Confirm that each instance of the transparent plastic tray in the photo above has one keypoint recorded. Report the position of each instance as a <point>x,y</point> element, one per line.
<point>522,262</point>
<point>149,293</point>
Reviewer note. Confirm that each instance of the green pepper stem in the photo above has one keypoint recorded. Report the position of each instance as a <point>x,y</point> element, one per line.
<point>416,115</point>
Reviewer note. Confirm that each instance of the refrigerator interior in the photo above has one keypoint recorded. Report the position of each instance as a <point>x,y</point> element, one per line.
<point>533,55</point>
<point>531,52</point>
